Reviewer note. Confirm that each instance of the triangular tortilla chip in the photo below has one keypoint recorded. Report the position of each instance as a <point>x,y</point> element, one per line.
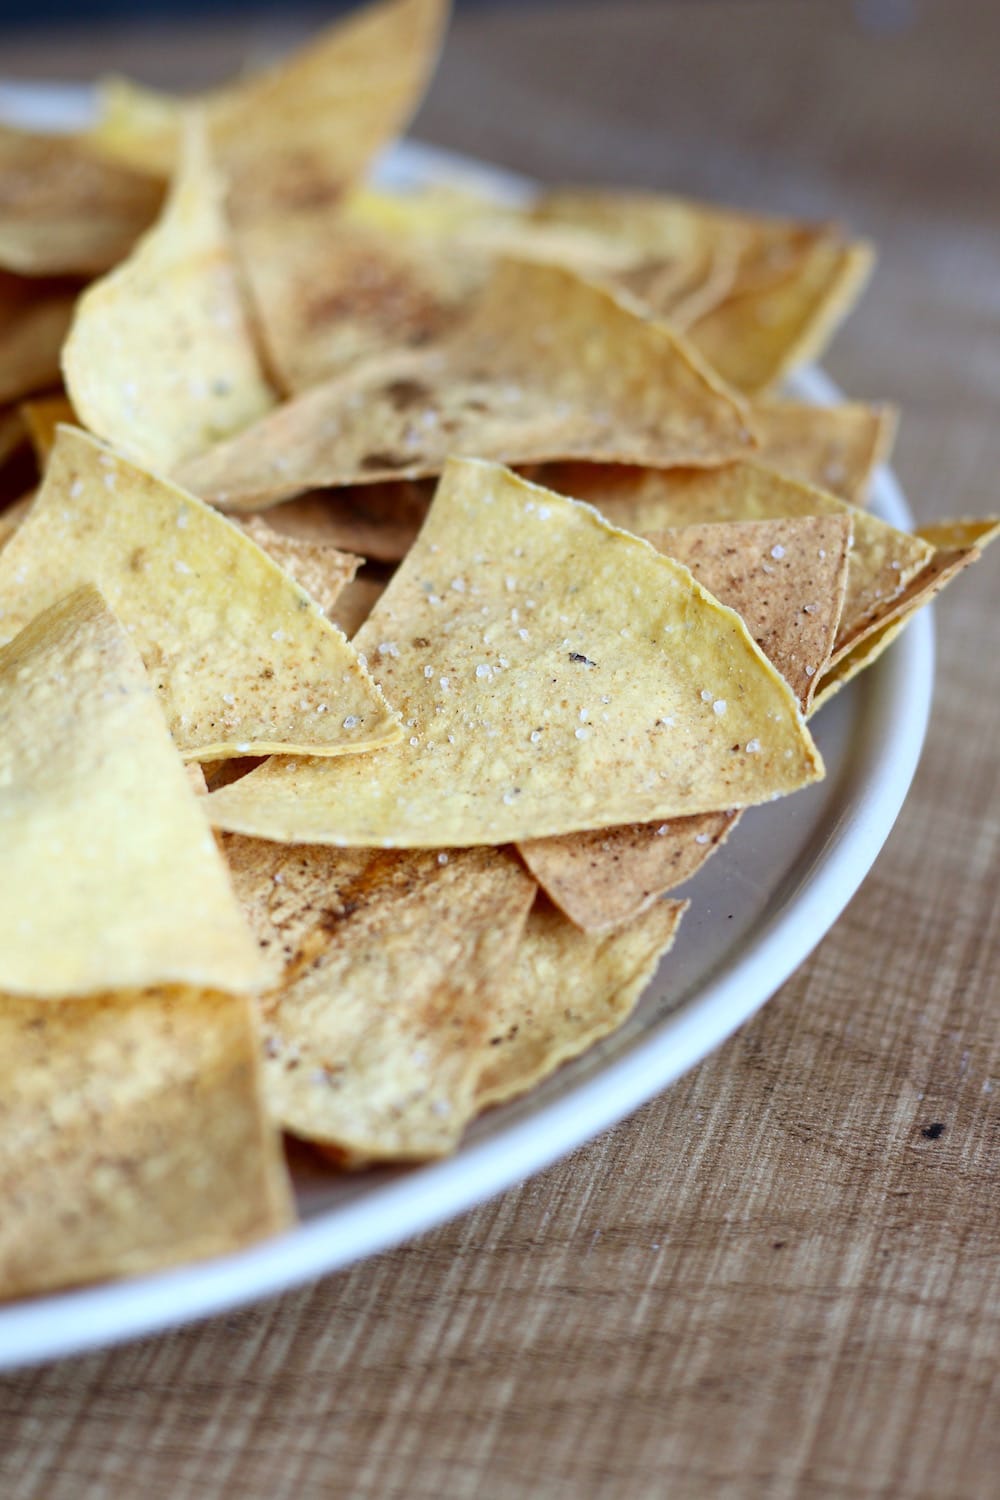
<point>833,447</point>
<point>110,875</point>
<point>294,135</point>
<point>602,879</point>
<point>553,674</point>
<point>786,579</point>
<point>881,563</point>
<point>132,1136</point>
<point>160,360</point>
<point>34,319</point>
<point>320,569</point>
<point>243,660</point>
<point>566,990</point>
<point>755,338</point>
<point>373,1040</point>
<point>64,209</point>
<point>380,521</point>
<point>545,367</point>
<point>957,543</point>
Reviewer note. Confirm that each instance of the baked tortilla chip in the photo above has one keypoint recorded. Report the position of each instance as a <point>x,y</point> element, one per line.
<point>34,320</point>
<point>160,359</point>
<point>294,135</point>
<point>881,563</point>
<point>834,447</point>
<point>786,579</point>
<point>755,338</point>
<point>380,521</point>
<point>957,544</point>
<point>610,876</point>
<point>374,1039</point>
<point>110,875</point>
<point>553,674</point>
<point>565,990</point>
<point>65,209</point>
<point>42,416</point>
<point>243,660</point>
<point>132,1136</point>
<point>320,569</point>
<point>545,367</point>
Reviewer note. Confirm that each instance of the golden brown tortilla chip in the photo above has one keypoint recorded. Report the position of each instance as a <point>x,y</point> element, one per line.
<point>42,416</point>
<point>374,1039</point>
<point>355,603</point>
<point>833,447</point>
<point>65,209</point>
<point>610,876</point>
<point>320,569</point>
<point>294,135</point>
<point>110,875</point>
<point>34,319</point>
<point>545,367</point>
<point>960,543</point>
<point>243,660</point>
<point>379,521</point>
<point>565,990</point>
<point>553,674</point>
<point>881,563</point>
<point>755,338</point>
<point>160,359</point>
<point>132,1136</point>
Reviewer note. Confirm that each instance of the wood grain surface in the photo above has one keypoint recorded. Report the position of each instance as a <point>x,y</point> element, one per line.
<point>781,1278</point>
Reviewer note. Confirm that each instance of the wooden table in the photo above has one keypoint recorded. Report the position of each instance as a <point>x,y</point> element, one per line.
<point>775,1280</point>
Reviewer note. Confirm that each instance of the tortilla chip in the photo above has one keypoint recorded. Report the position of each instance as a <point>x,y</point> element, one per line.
<point>294,135</point>
<point>111,877</point>
<point>374,1040</point>
<point>13,515</point>
<point>379,521</point>
<point>565,991</point>
<point>318,568</point>
<point>961,543</point>
<point>785,578</point>
<point>554,674</point>
<point>881,563</point>
<point>602,879</point>
<point>834,447</point>
<point>131,1136</point>
<point>42,416</point>
<point>243,660</point>
<point>545,367</point>
<point>755,338</point>
<point>65,210</point>
<point>355,603</point>
<point>34,319</point>
<point>160,360</point>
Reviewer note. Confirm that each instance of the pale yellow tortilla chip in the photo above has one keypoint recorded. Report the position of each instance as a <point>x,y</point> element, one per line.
<point>379,521</point>
<point>320,569</point>
<point>34,319</point>
<point>355,603</point>
<point>160,359</point>
<point>65,209</point>
<point>243,660</point>
<point>786,579</point>
<point>110,875</point>
<point>834,447</point>
<point>610,876</point>
<point>881,563</point>
<point>294,135</point>
<point>373,1041</point>
<point>42,416</point>
<point>132,1136</point>
<point>957,544</point>
<point>755,338</point>
<point>553,674</point>
<point>545,367</point>
<point>565,991</point>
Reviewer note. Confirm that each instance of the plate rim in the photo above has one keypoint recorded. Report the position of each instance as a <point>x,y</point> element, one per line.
<point>898,689</point>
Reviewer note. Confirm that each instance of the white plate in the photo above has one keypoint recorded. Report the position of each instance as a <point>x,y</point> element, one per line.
<point>758,908</point>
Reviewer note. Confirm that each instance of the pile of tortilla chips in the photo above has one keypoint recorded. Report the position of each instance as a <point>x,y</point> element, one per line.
<point>401,596</point>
